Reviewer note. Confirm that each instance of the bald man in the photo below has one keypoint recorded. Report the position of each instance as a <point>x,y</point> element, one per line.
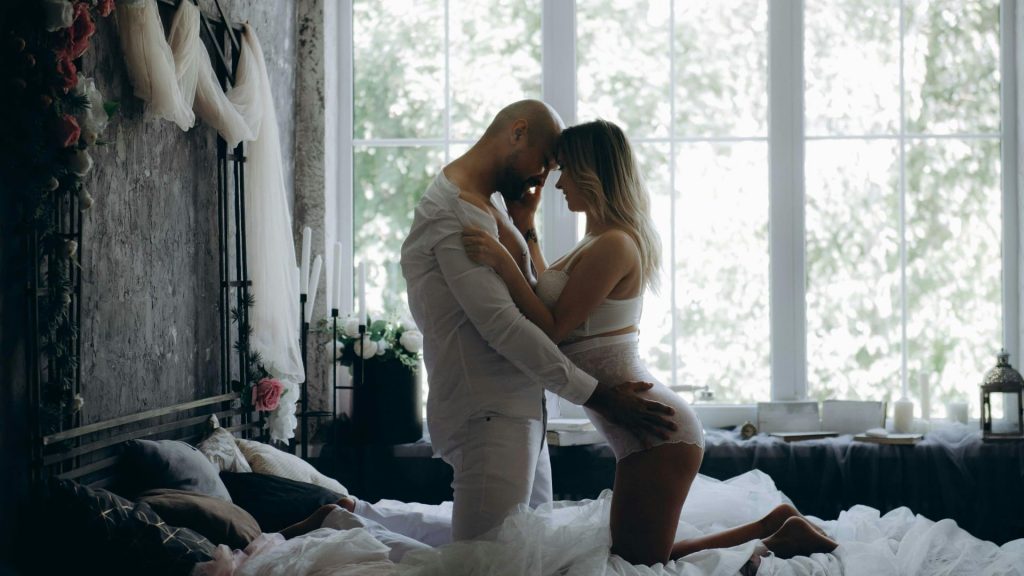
<point>488,364</point>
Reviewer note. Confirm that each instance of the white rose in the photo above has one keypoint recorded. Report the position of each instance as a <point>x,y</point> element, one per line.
<point>412,340</point>
<point>351,328</point>
<point>365,348</point>
<point>59,14</point>
<point>94,118</point>
<point>89,137</point>
<point>77,402</point>
<point>80,162</point>
<point>84,199</point>
<point>70,248</point>
<point>382,347</point>
<point>330,345</point>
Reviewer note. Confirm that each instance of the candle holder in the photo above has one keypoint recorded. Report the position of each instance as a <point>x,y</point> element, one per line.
<point>303,342</point>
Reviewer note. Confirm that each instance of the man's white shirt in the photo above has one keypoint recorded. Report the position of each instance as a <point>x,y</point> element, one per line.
<point>481,353</point>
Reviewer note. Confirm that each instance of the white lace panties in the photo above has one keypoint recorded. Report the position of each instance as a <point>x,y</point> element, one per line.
<point>616,359</point>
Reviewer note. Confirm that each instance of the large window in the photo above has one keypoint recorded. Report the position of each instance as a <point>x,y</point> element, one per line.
<point>826,175</point>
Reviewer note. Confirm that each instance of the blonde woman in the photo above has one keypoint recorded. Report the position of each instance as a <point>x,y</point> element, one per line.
<point>589,301</point>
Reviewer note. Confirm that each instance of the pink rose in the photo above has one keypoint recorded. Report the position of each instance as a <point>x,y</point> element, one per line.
<point>68,131</point>
<point>76,37</point>
<point>67,74</point>
<point>105,7</point>
<point>266,394</point>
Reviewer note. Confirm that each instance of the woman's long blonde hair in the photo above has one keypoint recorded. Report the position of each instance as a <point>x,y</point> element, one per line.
<point>599,159</point>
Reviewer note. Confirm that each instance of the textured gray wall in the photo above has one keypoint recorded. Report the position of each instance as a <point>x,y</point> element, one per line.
<point>149,329</point>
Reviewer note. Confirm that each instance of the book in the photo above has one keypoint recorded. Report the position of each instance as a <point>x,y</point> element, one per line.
<point>852,416</point>
<point>574,437</point>
<point>788,416</point>
<point>796,436</point>
<point>891,438</point>
<point>570,424</point>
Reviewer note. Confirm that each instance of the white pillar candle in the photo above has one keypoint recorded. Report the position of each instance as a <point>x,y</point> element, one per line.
<point>361,311</point>
<point>957,412</point>
<point>903,416</point>
<point>307,238</point>
<point>295,286</point>
<point>924,389</point>
<point>337,274</point>
<point>314,282</point>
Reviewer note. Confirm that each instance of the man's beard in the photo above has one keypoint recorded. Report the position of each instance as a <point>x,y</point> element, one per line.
<point>511,185</point>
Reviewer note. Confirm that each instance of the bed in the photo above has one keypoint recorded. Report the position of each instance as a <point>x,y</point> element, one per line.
<point>100,484</point>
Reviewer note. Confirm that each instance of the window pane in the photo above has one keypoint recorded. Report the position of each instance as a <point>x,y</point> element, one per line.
<point>387,186</point>
<point>721,268</point>
<point>656,322</point>
<point>952,66</point>
<point>622,64</point>
<point>852,68</point>
<point>954,290</point>
<point>721,67</point>
<point>398,69</point>
<point>853,270</point>
<point>495,60</point>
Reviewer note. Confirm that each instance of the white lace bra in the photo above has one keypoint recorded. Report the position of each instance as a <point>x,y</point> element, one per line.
<point>609,315</point>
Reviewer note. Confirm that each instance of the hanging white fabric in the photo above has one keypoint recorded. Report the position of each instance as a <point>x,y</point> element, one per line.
<point>274,318</point>
<point>150,62</point>
<point>172,82</point>
<point>199,85</point>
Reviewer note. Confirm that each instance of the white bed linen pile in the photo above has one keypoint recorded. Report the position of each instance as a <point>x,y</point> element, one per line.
<point>572,538</point>
<point>177,82</point>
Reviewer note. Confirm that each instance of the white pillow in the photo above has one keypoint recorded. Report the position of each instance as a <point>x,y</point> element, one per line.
<point>220,448</point>
<point>265,459</point>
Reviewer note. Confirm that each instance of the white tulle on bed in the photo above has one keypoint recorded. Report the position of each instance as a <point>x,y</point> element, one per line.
<point>572,538</point>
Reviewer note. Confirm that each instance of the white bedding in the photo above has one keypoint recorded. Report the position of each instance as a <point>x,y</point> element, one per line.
<point>572,538</point>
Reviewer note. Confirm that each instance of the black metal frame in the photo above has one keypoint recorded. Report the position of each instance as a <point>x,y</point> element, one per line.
<point>59,454</point>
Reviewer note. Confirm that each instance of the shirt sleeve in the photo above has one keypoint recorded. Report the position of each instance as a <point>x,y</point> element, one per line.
<point>485,299</point>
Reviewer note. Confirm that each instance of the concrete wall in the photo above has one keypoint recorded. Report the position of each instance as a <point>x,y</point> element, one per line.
<point>149,257</point>
<point>149,324</point>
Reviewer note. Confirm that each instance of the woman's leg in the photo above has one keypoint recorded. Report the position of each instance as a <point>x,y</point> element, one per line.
<point>798,537</point>
<point>650,488</point>
<point>757,530</point>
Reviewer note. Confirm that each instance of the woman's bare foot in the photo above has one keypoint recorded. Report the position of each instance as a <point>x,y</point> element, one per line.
<point>798,537</point>
<point>348,503</point>
<point>774,520</point>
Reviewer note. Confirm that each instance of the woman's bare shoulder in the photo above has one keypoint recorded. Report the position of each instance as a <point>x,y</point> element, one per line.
<point>615,242</point>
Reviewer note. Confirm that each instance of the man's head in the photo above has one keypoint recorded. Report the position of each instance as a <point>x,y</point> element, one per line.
<point>525,134</point>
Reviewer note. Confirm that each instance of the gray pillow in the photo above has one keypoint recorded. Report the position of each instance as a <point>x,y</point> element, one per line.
<point>149,464</point>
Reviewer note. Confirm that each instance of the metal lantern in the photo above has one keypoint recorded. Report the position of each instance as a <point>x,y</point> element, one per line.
<point>1004,380</point>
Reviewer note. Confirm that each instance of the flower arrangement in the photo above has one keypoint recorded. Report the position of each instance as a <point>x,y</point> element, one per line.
<point>386,340</point>
<point>52,116</point>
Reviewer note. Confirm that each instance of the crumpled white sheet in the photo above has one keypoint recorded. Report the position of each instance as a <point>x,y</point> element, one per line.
<point>572,539</point>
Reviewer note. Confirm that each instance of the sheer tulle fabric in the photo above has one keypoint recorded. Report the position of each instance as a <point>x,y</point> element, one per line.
<point>268,239</point>
<point>572,538</point>
<point>184,39</point>
<point>174,78</point>
<point>150,62</point>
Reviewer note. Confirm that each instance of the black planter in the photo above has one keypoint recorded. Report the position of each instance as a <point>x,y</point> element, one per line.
<point>386,406</point>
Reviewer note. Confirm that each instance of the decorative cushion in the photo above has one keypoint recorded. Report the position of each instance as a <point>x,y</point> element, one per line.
<point>100,532</point>
<point>149,464</point>
<point>276,502</point>
<point>220,449</point>
<point>266,459</point>
<point>219,521</point>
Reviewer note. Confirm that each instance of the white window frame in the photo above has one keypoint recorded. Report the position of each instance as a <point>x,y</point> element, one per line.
<point>786,139</point>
